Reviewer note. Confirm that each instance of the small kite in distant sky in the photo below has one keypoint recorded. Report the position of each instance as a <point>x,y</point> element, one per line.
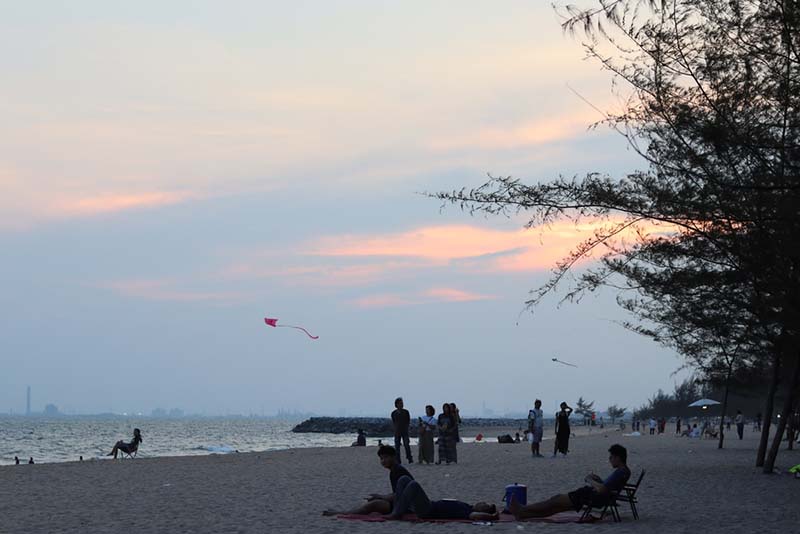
<point>564,363</point>
<point>274,323</point>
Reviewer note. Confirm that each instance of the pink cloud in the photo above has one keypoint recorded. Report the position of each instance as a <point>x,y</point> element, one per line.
<point>477,248</point>
<point>448,294</point>
<point>114,202</point>
<point>429,296</point>
<point>387,300</point>
<point>534,132</point>
<point>320,275</point>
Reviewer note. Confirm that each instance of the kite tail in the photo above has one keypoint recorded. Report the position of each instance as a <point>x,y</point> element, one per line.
<point>298,328</point>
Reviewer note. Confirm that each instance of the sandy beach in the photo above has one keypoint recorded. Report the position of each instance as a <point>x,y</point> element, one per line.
<point>690,486</point>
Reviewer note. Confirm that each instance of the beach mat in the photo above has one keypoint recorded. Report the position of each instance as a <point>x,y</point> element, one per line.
<point>563,517</point>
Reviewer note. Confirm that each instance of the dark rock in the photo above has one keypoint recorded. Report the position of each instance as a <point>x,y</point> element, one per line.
<point>382,427</point>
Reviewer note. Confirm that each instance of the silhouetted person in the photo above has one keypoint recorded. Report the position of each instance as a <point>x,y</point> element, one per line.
<point>31,460</point>
<point>739,424</point>
<point>376,502</point>
<point>401,420</point>
<point>16,460</point>
<point>80,458</point>
<point>597,492</point>
<point>455,438</point>
<point>127,448</point>
<point>562,430</point>
<point>361,439</point>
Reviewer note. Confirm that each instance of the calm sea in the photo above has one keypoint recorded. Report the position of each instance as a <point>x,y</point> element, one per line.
<point>65,439</point>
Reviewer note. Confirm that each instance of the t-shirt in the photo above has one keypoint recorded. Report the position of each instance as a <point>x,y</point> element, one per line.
<point>449,509</point>
<point>617,479</point>
<point>739,419</point>
<point>401,419</point>
<point>429,420</point>
<point>535,419</point>
<point>395,473</point>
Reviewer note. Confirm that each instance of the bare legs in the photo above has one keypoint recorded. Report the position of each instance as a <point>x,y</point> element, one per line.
<point>553,505</point>
<point>113,452</point>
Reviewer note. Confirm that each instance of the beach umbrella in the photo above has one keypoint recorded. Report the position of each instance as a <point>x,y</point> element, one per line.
<point>703,403</point>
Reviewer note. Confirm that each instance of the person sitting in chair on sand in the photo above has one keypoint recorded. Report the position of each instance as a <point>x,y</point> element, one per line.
<point>127,448</point>
<point>376,502</point>
<point>410,496</point>
<point>597,492</point>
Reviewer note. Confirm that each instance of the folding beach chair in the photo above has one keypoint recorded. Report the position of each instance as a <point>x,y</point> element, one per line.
<point>628,495</point>
<point>129,454</point>
<point>611,506</point>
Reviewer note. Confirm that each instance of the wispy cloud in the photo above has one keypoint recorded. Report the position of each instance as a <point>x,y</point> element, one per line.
<point>429,296</point>
<point>480,248</point>
<point>114,202</point>
<point>167,290</point>
<point>533,132</point>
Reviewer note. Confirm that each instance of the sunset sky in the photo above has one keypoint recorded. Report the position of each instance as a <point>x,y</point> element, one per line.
<point>171,173</point>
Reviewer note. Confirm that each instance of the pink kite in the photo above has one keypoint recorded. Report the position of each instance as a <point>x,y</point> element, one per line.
<point>274,323</point>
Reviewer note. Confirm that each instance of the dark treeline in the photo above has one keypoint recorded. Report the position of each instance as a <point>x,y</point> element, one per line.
<point>743,397</point>
<point>701,245</point>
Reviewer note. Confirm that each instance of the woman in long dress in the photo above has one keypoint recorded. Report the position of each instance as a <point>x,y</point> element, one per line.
<point>562,430</point>
<point>427,427</point>
<point>444,423</point>
<point>455,437</point>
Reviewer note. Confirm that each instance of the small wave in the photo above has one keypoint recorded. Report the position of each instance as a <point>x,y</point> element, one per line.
<point>216,448</point>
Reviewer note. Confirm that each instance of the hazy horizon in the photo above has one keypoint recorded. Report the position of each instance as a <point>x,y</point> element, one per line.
<point>173,175</point>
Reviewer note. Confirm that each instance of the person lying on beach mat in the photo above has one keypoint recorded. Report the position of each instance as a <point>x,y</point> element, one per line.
<point>376,502</point>
<point>127,448</point>
<point>411,497</point>
<point>597,492</point>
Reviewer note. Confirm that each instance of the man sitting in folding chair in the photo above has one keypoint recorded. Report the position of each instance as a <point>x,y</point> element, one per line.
<point>597,493</point>
<point>127,448</point>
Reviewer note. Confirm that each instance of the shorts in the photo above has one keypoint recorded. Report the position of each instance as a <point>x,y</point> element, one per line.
<point>586,496</point>
<point>536,435</point>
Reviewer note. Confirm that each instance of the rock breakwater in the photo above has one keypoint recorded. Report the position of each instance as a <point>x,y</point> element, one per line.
<point>382,426</point>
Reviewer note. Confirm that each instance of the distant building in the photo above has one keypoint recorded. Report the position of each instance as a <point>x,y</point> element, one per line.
<point>51,409</point>
<point>159,412</point>
<point>176,412</point>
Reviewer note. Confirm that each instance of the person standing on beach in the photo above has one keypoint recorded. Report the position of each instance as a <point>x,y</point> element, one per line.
<point>427,427</point>
<point>739,420</point>
<point>652,426</point>
<point>444,422</point>
<point>455,437</point>
<point>562,430</point>
<point>678,426</point>
<point>536,427</point>
<point>401,420</point>
<point>757,423</point>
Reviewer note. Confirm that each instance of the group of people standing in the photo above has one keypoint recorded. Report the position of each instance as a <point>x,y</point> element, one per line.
<point>445,427</point>
<point>536,429</point>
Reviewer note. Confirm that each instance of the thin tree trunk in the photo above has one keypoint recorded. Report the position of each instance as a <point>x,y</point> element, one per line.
<point>792,425</point>
<point>724,406</point>
<point>788,403</point>
<point>766,420</point>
